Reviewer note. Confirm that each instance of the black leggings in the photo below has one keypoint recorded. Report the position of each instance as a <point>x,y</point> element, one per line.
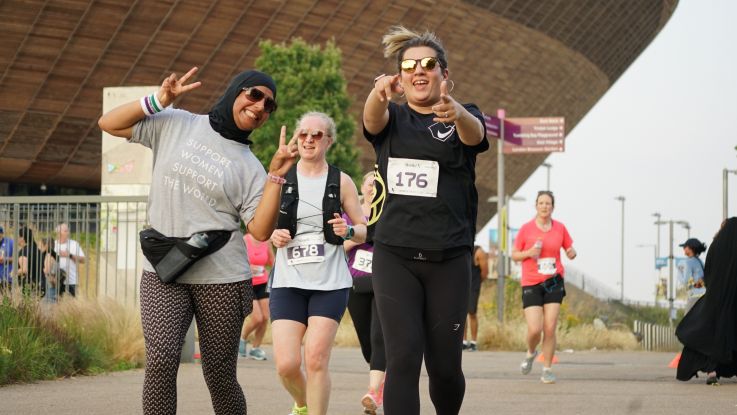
<point>368,328</point>
<point>422,307</point>
<point>166,313</point>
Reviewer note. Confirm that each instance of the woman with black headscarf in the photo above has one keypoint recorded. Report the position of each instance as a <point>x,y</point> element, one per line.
<point>205,178</point>
<point>709,331</point>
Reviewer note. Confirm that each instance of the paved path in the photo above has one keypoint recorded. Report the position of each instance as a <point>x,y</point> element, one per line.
<point>591,382</point>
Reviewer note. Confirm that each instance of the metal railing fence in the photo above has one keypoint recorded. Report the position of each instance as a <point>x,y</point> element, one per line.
<point>656,337</point>
<point>106,228</point>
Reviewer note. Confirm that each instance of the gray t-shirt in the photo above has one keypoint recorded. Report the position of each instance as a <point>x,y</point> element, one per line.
<point>201,182</point>
<point>308,262</point>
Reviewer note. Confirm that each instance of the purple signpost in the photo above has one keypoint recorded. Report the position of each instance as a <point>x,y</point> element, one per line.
<point>536,135</point>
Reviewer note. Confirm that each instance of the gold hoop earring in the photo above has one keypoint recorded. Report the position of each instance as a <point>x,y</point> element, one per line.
<point>452,85</point>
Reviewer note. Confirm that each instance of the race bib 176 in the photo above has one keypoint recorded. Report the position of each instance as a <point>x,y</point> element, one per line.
<point>412,177</point>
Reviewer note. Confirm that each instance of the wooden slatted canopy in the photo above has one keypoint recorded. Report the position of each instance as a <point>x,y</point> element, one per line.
<point>534,58</point>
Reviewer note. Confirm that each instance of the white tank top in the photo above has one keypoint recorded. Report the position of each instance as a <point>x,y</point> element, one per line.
<point>308,262</point>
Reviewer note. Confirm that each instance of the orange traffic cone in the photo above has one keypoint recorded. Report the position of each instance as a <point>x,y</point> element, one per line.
<point>541,358</point>
<point>674,363</point>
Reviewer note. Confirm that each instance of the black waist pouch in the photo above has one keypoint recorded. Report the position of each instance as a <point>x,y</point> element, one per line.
<point>171,257</point>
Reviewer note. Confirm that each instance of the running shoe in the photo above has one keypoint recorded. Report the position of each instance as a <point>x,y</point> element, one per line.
<point>242,348</point>
<point>712,380</point>
<point>371,402</point>
<point>548,376</point>
<point>526,365</point>
<point>257,354</point>
<point>472,347</point>
<point>296,410</point>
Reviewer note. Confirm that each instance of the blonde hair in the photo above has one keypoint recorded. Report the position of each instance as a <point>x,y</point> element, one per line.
<point>399,39</point>
<point>326,119</point>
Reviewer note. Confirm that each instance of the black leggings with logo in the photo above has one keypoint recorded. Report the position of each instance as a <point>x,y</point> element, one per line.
<point>422,308</point>
<point>166,313</point>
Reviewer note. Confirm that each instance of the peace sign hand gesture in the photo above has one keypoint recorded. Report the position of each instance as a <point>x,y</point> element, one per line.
<point>172,87</point>
<point>285,155</point>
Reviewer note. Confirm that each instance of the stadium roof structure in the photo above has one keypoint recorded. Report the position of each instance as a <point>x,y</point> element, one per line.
<point>531,57</point>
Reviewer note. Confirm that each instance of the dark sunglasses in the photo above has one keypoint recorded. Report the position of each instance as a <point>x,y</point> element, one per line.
<point>256,95</point>
<point>314,134</point>
<point>428,64</point>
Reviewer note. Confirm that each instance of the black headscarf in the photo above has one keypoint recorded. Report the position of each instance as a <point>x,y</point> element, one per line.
<point>221,114</point>
<point>710,327</point>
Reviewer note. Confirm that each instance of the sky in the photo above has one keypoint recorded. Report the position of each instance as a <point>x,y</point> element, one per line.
<point>660,137</point>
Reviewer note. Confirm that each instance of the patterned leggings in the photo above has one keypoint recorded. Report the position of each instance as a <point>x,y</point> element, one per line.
<point>166,313</point>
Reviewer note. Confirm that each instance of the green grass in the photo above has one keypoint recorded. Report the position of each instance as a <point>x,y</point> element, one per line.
<point>42,341</point>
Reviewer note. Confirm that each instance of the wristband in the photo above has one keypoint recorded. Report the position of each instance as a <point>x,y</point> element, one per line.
<point>151,105</point>
<point>379,77</point>
<point>350,234</point>
<point>276,179</point>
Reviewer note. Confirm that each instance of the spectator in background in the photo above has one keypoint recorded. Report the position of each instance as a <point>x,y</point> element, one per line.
<point>70,256</point>
<point>709,331</point>
<point>479,273</point>
<point>691,271</point>
<point>30,263</point>
<point>6,260</point>
<point>54,276</point>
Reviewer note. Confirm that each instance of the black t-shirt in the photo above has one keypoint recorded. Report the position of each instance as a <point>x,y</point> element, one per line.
<point>35,265</point>
<point>412,209</point>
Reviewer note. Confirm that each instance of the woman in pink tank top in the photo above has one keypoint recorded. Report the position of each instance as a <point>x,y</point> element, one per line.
<point>260,257</point>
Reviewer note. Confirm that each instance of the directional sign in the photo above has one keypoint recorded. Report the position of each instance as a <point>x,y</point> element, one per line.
<point>493,125</point>
<point>535,135</point>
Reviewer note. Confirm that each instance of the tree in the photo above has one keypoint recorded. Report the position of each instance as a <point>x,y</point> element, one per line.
<point>308,78</point>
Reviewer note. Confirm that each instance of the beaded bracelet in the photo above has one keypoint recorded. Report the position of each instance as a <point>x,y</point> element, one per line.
<point>151,105</point>
<point>276,179</point>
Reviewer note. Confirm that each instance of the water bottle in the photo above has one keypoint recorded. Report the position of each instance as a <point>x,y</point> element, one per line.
<point>198,240</point>
<point>538,245</point>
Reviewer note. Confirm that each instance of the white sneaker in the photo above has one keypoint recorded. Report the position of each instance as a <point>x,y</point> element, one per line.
<point>548,376</point>
<point>257,354</point>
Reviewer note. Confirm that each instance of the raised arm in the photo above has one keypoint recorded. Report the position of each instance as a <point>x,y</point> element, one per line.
<point>470,130</point>
<point>120,120</point>
<point>264,220</point>
<point>375,110</point>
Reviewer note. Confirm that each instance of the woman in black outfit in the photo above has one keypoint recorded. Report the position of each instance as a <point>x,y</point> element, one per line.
<point>30,263</point>
<point>709,330</point>
<point>425,214</point>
